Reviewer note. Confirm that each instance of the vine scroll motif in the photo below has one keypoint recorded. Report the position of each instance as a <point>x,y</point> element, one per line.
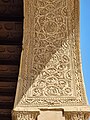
<point>53,67</point>
<point>76,116</point>
<point>25,115</point>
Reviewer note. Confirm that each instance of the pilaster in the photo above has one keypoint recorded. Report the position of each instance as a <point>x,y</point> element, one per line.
<point>50,74</point>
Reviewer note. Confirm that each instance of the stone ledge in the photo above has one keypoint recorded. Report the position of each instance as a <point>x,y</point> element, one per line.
<point>65,108</point>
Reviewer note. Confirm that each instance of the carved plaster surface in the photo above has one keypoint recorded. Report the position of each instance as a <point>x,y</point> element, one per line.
<point>25,115</point>
<point>50,70</point>
<point>76,116</point>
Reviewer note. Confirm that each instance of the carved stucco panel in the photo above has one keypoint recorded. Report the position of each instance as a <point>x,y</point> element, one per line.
<point>25,115</point>
<point>76,116</point>
<point>50,72</point>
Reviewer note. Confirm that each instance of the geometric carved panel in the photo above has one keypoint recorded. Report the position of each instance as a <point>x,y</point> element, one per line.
<point>50,73</point>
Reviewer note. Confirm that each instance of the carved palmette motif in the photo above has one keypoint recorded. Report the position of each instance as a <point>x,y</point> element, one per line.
<point>50,71</point>
<point>76,116</point>
<point>25,115</point>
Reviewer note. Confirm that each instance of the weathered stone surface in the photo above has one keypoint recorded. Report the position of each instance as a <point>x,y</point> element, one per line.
<point>50,73</point>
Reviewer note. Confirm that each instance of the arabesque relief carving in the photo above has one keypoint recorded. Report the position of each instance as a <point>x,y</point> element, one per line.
<point>25,115</point>
<point>50,72</point>
<point>49,63</point>
<point>76,116</point>
<point>50,76</point>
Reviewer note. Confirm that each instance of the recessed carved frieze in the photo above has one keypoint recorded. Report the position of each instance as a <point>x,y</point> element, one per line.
<point>8,70</point>
<point>10,52</point>
<point>10,30</point>
<point>76,116</point>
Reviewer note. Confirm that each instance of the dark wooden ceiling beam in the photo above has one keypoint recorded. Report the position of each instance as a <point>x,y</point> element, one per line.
<point>10,53</point>
<point>5,114</point>
<point>11,9</point>
<point>7,85</point>
<point>8,70</point>
<point>8,79</point>
<point>7,89</point>
<point>10,32</point>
